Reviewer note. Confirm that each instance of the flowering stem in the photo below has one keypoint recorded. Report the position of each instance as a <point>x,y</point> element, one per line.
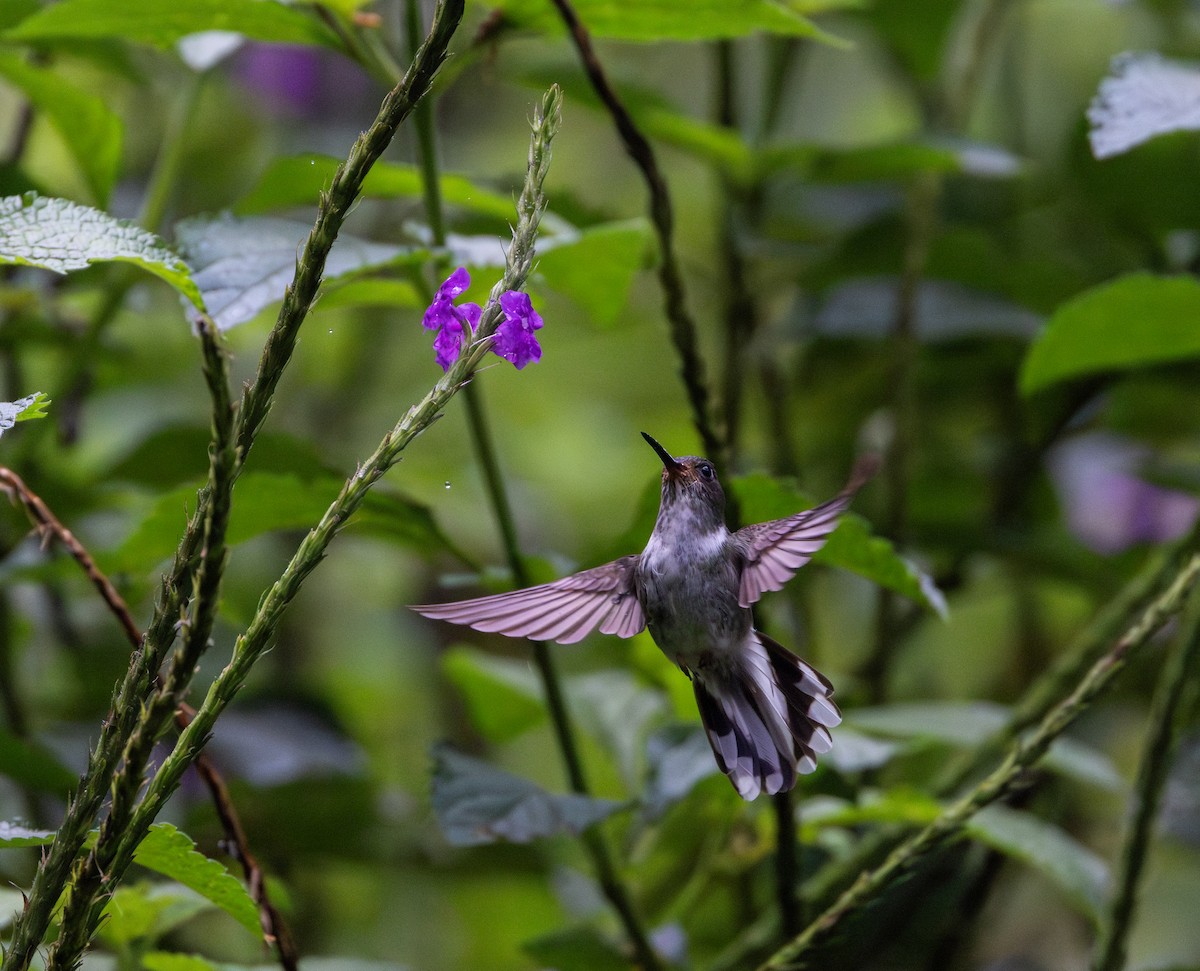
<point>31,924</point>
<point>1024,754</point>
<point>261,632</point>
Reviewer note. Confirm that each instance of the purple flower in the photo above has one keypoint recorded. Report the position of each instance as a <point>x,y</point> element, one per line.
<point>514,339</point>
<point>448,319</point>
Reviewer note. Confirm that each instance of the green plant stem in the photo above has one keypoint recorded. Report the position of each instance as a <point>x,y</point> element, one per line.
<point>999,783</point>
<point>93,876</point>
<point>1157,753</point>
<point>30,925</point>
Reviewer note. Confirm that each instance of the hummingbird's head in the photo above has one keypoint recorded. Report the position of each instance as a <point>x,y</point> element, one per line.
<point>692,481</point>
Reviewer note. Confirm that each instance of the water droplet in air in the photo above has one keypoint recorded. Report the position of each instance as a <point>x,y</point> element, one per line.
<point>447,484</point>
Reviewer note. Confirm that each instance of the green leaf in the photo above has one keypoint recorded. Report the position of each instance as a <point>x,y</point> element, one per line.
<point>58,235</point>
<point>503,696</point>
<point>298,180</point>
<point>576,949</point>
<point>477,803</point>
<point>267,502</point>
<point>172,853</point>
<point>164,961</point>
<point>1076,870</point>
<point>13,835</point>
<point>1145,96</point>
<point>907,807</point>
<point>33,766</point>
<point>11,903</point>
<point>160,25</point>
<point>144,911</point>
<point>681,20</point>
<point>679,758</point>
<point>1131,322</point>
<point>851,546</point>
<point>23,409</point>
<point>372,292</point>
<point>89,128</point>
<point>958,723</point>
<point>596,267</point>
<point>244,265</point>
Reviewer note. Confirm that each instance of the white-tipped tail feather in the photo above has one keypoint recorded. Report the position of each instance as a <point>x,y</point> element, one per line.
<point>767,719</point>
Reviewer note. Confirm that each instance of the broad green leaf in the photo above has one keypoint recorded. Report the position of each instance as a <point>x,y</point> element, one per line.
<point>944,311</point>
<point>618,710</point>
<point>61,236</point>
<point>33,766</point>
<point>503,696</point>
<point>266,502</point>
<point>1076,870</point>
<point>576,949</point>
<point>11,903</point>
<point>1134,321</point>
<point>144,911</point>
<point>172,853</point>
<point>679,758</point>
<point>298,180</point>
<point>906,807</point>
<point>681,20</point>
<point>244,265</point>
<point>477,803</point>
<point>1144,96</point>
<point>165,961</point>
<point>372,292</point>
<point>855,752</point>
<point>958,723</point>
<point>13,835</point>
<point>878,163</point>
<point>970,723</point>
<point>851,546</point>
<point>596,267</point>
<point>160,25</point>
<point>23,409</point>
<point>89,128</point>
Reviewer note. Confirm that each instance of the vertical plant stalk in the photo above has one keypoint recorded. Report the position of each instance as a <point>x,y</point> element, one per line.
<point>683,328</point>
<point>1023,756</point>
<point>93,877</point>
<point>259,635</point>
<point>30,925</point>
<point>606,872</point>
<point>1157,754</point>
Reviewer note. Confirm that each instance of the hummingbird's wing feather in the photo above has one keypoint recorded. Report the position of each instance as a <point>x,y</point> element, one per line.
<point>565,611</point>
<point>774,551</point>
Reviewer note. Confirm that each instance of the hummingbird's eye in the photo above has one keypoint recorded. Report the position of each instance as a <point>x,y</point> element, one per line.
<point>705,470</point>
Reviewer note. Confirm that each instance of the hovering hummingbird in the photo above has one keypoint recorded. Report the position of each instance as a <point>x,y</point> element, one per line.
<point>767,713</point>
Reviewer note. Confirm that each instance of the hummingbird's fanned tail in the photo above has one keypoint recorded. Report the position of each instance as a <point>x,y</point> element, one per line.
<point>767,718</point>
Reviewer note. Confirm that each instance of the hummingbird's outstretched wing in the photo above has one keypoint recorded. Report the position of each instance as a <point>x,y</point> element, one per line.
<point>774,551</point>
<point>565,611</point>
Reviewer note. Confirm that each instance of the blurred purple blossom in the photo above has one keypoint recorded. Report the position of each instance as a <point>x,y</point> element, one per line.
<point>514,340</point>
<point>1107,506</point>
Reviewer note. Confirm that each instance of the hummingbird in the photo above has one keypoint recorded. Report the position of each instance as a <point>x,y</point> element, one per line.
<point>767,714</point>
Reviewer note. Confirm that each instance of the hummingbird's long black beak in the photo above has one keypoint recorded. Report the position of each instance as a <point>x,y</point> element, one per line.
<point>669,463</point>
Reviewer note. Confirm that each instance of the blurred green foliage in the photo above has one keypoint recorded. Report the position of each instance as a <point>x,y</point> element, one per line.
<point>895,236</point>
